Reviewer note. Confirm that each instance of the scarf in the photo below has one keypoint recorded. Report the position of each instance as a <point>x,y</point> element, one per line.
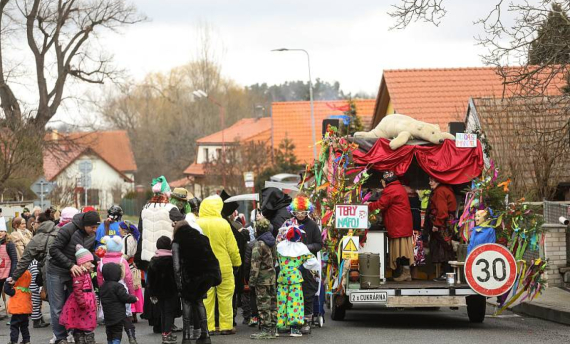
<point>163,253</point>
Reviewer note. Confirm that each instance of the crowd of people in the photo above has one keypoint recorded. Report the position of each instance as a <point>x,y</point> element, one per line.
<point>187,258</point>
<point>194,259</point>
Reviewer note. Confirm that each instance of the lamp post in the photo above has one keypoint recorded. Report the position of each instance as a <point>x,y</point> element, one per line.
<point>310,98</point>
<point>202,94</point>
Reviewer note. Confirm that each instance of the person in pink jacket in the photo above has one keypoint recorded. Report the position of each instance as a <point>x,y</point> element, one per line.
<point>114,254</point>
<point>80,310</point>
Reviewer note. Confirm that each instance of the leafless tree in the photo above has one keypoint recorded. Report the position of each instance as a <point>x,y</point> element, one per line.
<point>59,36</point>
<point>408,11</point>
<point>530,141</point>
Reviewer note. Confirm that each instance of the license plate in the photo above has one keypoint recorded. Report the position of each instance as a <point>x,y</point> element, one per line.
<point>369,297</point>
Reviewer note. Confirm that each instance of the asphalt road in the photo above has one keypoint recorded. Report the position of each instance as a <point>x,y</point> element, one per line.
<point>385,326</point>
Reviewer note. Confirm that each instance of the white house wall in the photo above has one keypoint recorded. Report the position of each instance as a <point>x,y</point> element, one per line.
<point>212,153</point>
<point>103,178</point>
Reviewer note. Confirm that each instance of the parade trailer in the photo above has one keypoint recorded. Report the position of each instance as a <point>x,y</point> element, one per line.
<point>362,271</point>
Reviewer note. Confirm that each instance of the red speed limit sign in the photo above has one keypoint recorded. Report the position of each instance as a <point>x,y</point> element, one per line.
<point>490,270</point>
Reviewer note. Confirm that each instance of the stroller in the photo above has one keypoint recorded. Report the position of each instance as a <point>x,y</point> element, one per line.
<point>318,319</point>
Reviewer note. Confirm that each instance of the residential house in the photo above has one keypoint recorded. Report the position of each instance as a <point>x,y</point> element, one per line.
<point>292,120</point>
<point>113,166</point>
<point>210,148</point>
<point>439,96</point>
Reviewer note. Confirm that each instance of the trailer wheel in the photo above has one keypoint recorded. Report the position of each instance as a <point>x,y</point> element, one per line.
<point>338,309</point>
<point>476,305</point>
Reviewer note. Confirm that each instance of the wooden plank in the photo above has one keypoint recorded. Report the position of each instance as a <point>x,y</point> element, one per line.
<point>426,301</point>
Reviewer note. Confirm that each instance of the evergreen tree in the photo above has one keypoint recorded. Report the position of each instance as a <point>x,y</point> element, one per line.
<point>552,44</point>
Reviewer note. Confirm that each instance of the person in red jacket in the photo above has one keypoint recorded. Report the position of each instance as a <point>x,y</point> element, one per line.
<point>440,214</point>
<point>397,216</point>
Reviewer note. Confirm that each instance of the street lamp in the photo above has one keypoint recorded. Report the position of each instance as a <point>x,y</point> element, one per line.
<point>202,94</point>
<point>310,98</point>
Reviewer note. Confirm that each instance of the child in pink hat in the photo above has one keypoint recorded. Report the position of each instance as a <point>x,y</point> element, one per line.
<point>80,311</point>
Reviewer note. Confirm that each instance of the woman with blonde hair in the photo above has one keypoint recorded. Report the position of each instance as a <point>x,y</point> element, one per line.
<point>20,236</point>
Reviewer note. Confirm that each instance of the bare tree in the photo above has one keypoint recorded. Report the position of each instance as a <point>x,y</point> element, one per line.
<point>408,11</point>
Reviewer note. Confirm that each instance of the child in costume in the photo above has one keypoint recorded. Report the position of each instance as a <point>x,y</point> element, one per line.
<point>162,288</point>
<point>114,254</point>
<point>292,253</point>
<point>114,298</point>
<point>20,306</point>
<point>80,310</point>
<point>262,279</point>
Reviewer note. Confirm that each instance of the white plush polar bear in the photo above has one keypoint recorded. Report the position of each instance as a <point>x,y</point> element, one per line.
<point>400,129</point>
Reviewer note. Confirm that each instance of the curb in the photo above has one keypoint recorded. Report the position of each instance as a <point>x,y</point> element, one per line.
<point>538,311</point>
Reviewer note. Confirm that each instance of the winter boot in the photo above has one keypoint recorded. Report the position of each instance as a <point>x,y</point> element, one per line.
<point>200,313</point>
<point>265,333</point>
<point>89,338</point>
<point>40,323</point>
<point>195,334</point>
<point>132,336</point>
<point>306,328</point>
<point>187,330</point>
<point>79,337</point>
<point>168,338</point>
<point>406,276</point>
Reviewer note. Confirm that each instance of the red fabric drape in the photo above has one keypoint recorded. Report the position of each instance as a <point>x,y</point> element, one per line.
<point>445,162</point>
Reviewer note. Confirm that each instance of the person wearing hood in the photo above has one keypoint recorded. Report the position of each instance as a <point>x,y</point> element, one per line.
<point>292,254</point>
<point>34,259</point>
<point>262,278</point>
<point>81,230</point>
<point>226,251</point>
<point>114,298</point>
<point>162,289</point>
<point>196,270</point>
<point>397,214</point>
<point>274,205</point>
<point>242,237</point>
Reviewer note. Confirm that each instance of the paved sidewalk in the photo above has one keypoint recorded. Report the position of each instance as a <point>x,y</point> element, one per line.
<point>552,305</point>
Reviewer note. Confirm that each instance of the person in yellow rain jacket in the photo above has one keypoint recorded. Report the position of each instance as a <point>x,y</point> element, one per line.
<point>226,250</point>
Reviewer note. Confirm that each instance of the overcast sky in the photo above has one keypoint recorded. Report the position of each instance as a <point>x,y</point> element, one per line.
<point>349,42</point>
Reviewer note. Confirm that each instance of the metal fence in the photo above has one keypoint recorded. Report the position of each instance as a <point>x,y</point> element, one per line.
<point>553,211</point>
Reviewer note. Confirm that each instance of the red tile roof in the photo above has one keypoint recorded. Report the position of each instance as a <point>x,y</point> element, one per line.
<point>293,120</point>
<point>114,147</point>
<point>195,170</point>
<point>439,96</point>
<point>179,183</point>
<point>243,130</point>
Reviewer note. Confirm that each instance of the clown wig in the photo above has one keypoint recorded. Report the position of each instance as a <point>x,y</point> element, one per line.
<point>301,203</point>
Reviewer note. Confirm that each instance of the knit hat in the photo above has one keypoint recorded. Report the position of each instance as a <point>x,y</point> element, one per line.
<point>114,243</point>
<point>164,243</point>
<point>301,203</point>
<point>294,234</point>
<point>87,209</point>
<point>68,213</point>
<point>82,255</point>
<point>26,210</point>
<point>91,218</point>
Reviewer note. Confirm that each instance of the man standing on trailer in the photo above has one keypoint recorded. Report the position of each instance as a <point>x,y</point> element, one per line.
<point>397,214</point>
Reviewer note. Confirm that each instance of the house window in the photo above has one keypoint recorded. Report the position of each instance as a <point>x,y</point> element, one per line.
<point>218,152</point>
<point>206,154</point>
<point>92,196</point>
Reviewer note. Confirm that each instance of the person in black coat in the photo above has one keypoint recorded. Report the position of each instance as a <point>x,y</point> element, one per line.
<point>161,286</point>
<point>196,270</point>
<point>114,297</point>
<point>274,205</point>
<point>61,265</point>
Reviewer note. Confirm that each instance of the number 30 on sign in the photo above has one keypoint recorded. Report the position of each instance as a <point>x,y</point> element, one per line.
<point>490,270</point>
